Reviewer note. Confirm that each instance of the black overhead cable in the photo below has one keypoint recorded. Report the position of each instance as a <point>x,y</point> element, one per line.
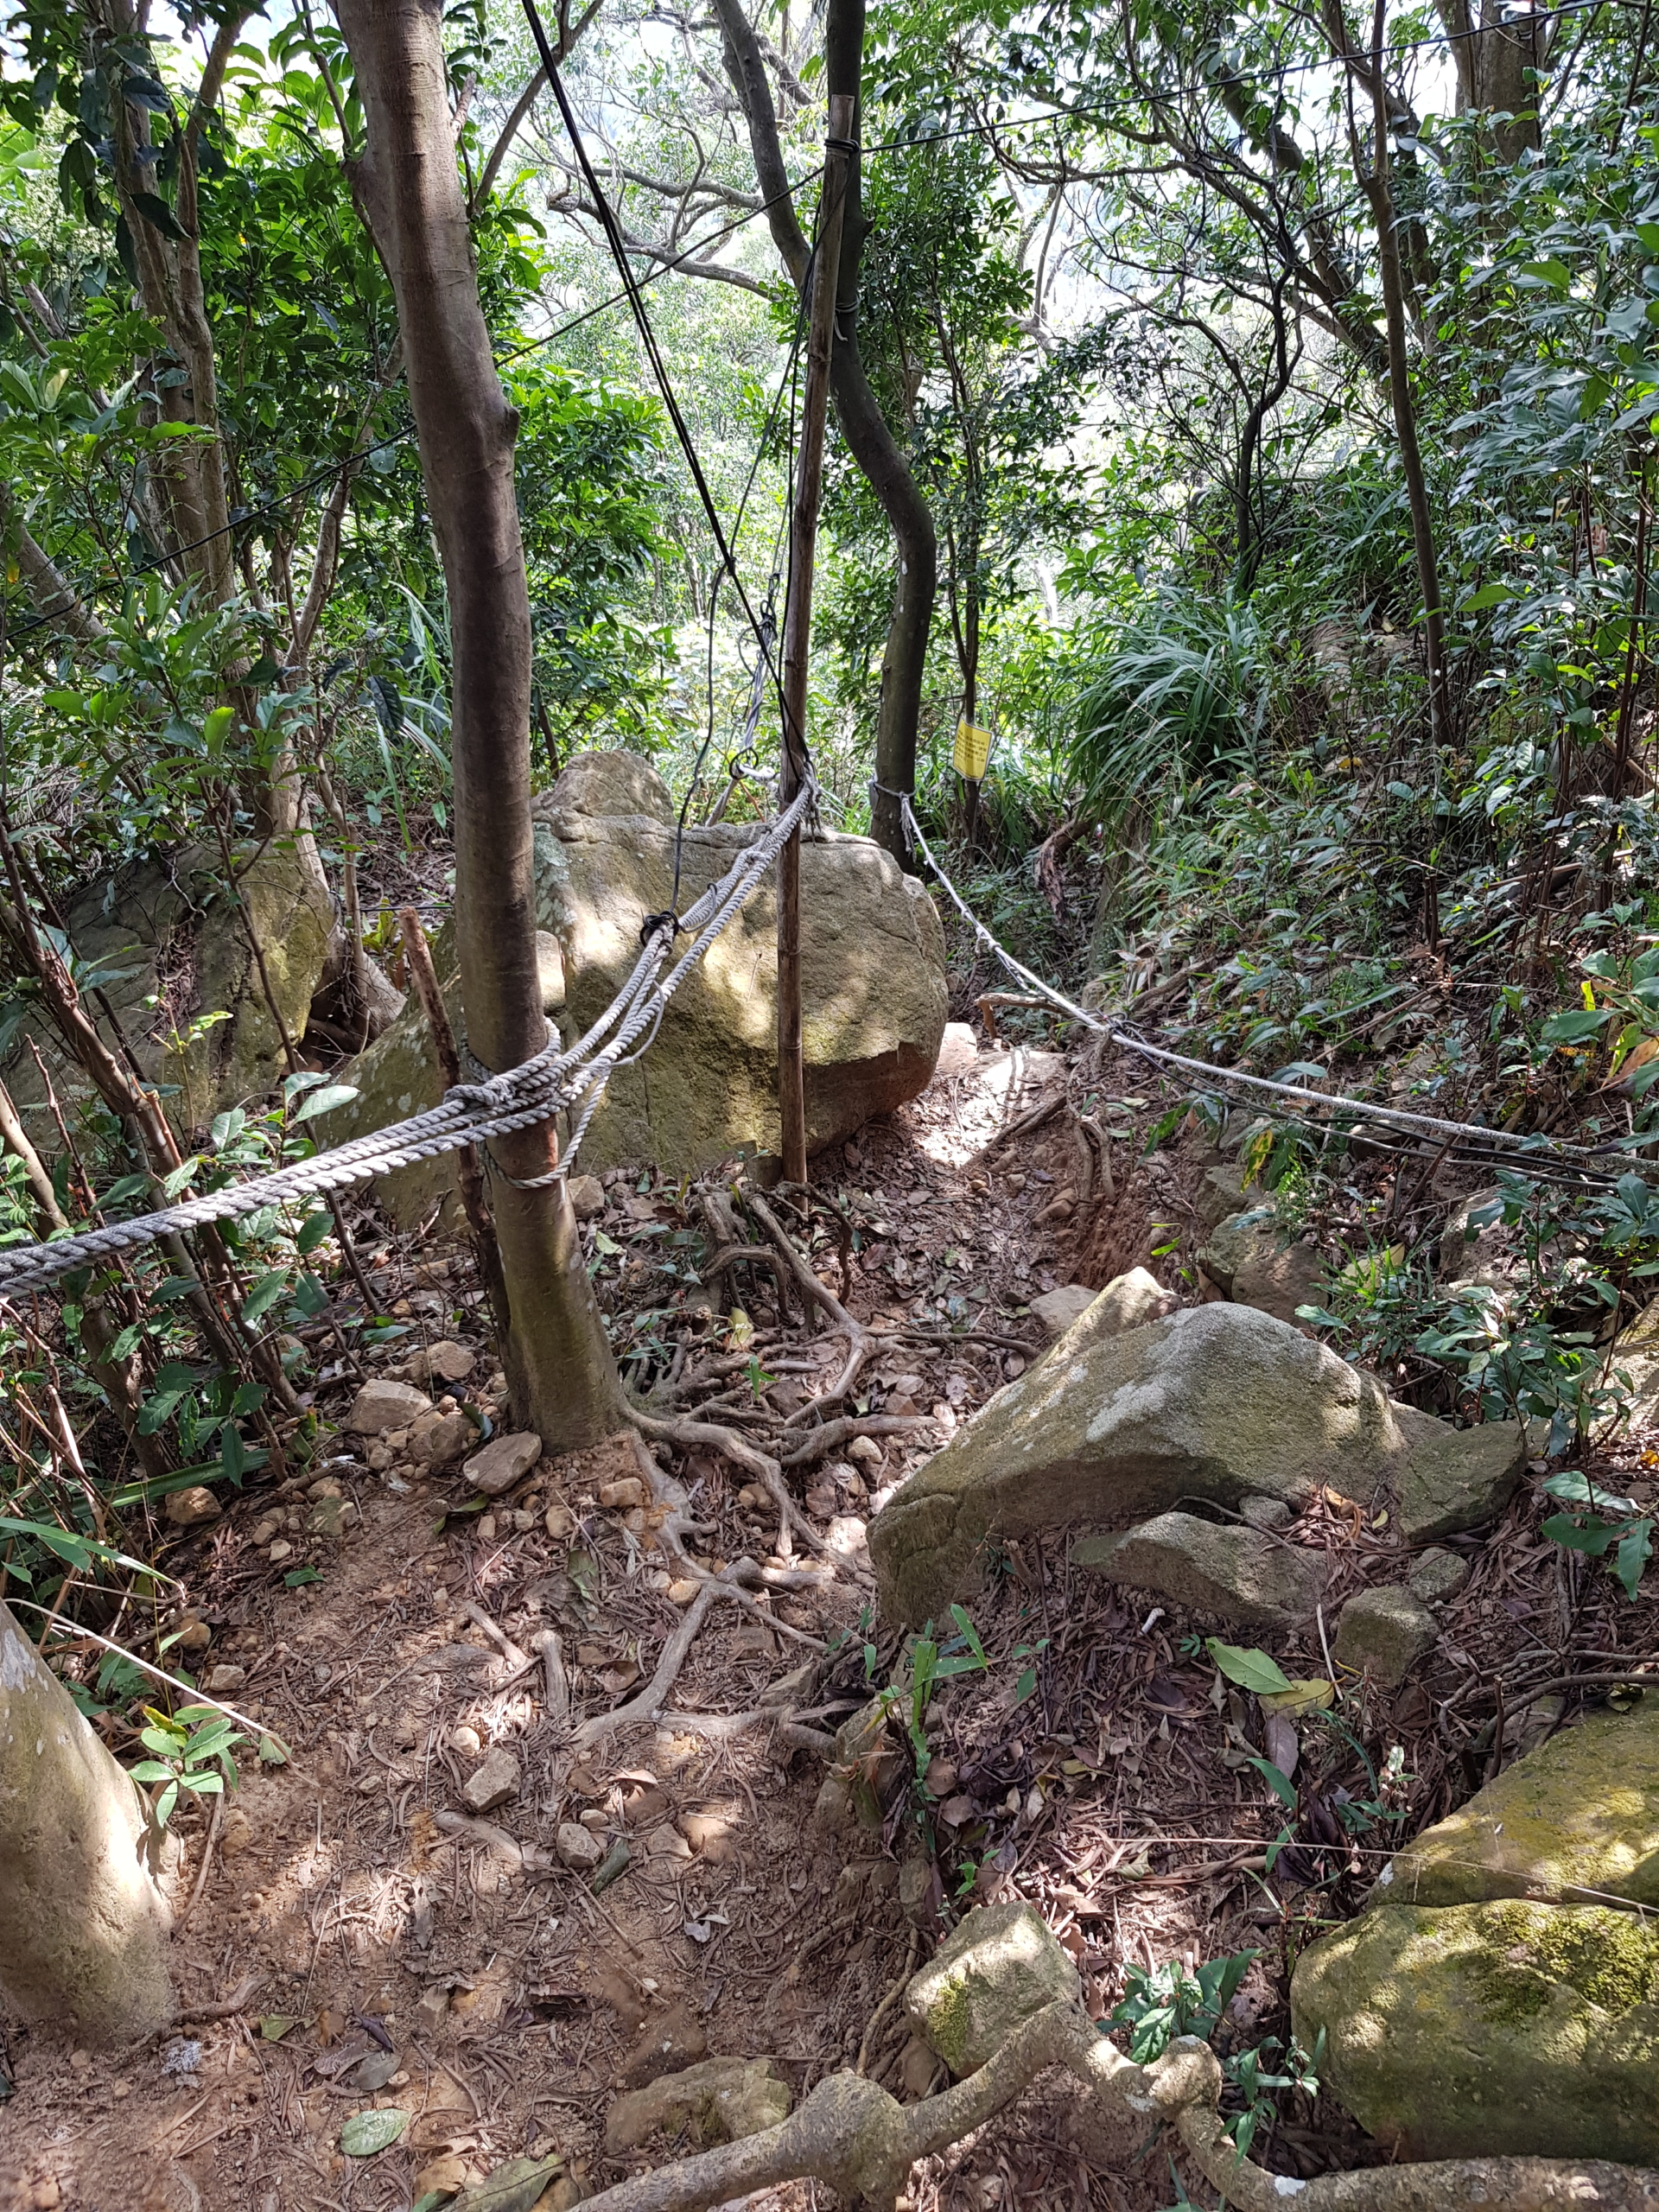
<point>642,320</point>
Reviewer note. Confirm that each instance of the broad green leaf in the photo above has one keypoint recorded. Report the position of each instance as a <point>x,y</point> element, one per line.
<point>1279,1782</point>
<point>366,2133</point>
<point>1250,1669</point>
<point>325,1100</point>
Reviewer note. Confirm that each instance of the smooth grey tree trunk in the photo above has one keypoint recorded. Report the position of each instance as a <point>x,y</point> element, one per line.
<point>82,1926</point>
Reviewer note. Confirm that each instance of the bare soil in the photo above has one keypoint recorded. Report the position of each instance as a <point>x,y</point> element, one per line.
<point>1096,1767</point>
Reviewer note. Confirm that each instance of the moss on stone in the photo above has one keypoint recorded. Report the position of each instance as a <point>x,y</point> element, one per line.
<point>1610,1958</point>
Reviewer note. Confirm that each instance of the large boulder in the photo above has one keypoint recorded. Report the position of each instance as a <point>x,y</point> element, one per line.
<point>1576,1821</point>
<point>1490,2030</point>
<point>170,952</point>
<point>872,970</point>
<point>1493,1997</point>
<point>1218,1402</point>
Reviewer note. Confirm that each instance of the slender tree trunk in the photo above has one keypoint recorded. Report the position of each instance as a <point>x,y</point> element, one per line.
<point>862,424</point>
<point>85,1926</point>
<point>1380,195</point>
<point>563,1378</point>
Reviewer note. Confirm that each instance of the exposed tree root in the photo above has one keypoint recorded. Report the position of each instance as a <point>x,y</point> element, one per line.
<point>690,1433</point>
<point>861,1341</point>
<point>861,2143</point>
<point>845,1426</point>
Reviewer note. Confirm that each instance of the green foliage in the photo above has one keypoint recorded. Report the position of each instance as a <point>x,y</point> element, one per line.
<point>192,1751</point>
<point>1162,2003</point>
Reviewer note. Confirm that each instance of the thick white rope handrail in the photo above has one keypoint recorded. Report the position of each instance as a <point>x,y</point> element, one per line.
<point>552,1081</point>
<point>1121,1034</point>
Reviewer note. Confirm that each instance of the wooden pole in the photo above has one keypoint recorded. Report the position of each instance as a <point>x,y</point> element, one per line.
<point>798,629</point>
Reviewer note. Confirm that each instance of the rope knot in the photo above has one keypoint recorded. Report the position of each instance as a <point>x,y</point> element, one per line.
<point>667,920</point>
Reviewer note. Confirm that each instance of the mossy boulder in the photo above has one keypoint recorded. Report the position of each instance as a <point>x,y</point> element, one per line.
<point>1499,2029</point>
<point>1574,1820</point>
<point>1218,1402</point>
<point>872,985</point>
<point>171,946</point>
<point>987,1978</point>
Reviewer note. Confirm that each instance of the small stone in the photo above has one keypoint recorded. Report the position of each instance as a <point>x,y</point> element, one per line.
<point>1266,1512</point>
<point>847,1536</point>
<point>958,1049</point>
<point>1384,1633</point>
<point>711,1835</point>
<point>467,1740</point>
<point>380,1406</point>
<point>193,1634</point>
<point>46,2194</point>
<point>264,1528</point>
<point>665,2045</point>
<point>864,1448</point>
<point>559,1521</point>
<point>667,1843</point>
<point>1437,1575</point>
<point>587,1196</point>
<point>236,1832</point>
<point>578,1847</point>
<point>683,1591</point>
<point>440,1438</point>
<point>189,1509</point>
<point>998,1967</point>
<point>279,1551</point>
<point>719,2102</point>
<point>503,1461</point>
<point>434,2006</point>
<point>330,1516</point>
<point>486,1527</point>
<point>1057,1309</point>
<point>442,1363</point>
<point>494,1783</point>
<point>1226,1573</point>
<point>221,1681</point>
<point>623,1495</point>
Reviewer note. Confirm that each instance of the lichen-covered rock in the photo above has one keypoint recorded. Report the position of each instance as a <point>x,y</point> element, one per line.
<point>719,2101</point>
<point>873,986</point>
<point>1129,1301</point>
<point>1218,1573</point>
<point>987,1978</point>
<point>172,947</point>
<point>1437,1576</point>
<point>1383,1632</point>
<point>1479,2030</point>
<point>1575,1820</point>
<point>1217,1401</point>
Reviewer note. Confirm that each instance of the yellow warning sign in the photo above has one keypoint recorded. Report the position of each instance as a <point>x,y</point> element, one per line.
<point>973,750</point>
